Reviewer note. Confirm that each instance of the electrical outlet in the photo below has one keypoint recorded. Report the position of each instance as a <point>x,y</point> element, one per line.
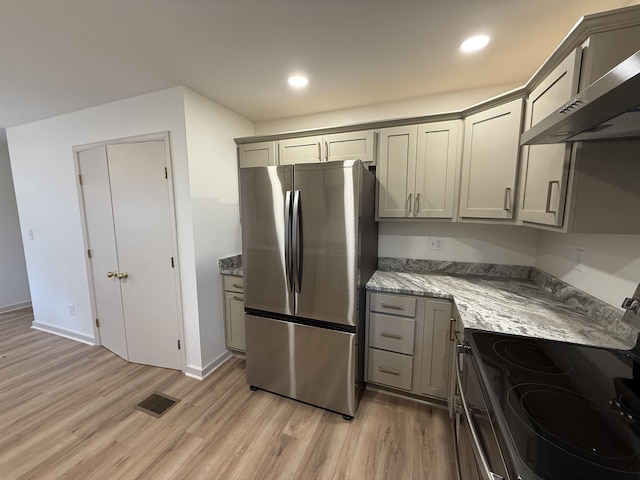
<point>435,243</point>
<point>72,309</point>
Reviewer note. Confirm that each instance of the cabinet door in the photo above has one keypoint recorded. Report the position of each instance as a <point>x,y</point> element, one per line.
<point>490,161</point>
<point>437,159</point>
<point>300,150</point>
<point>435,336</point>
<point>234,320</point>
<point>396,169</point>
<point>546,167</point>
<point>351,145</point>
<point>260,154</point>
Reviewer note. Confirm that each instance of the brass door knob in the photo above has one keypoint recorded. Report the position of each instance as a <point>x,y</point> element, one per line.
<point>121,275</point>
<point>111,274</point>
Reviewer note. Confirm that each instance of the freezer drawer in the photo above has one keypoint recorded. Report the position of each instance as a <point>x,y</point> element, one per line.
<point>310,364</point>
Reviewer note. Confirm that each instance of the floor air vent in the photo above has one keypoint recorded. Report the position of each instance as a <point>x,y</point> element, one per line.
<point>156,404</point>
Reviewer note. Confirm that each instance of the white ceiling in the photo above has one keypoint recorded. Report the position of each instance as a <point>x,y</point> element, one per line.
<point>58,56</point>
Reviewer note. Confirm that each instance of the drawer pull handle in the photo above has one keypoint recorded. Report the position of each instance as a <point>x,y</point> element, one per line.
<point>240,299</point>
<point>384,333</point>
<point>235,285</point>
<point>391,370</point>
<point>392,307</point>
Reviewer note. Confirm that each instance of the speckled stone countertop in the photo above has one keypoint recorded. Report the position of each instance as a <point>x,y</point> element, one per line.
<point>230,265</point>
<point>510,305</point>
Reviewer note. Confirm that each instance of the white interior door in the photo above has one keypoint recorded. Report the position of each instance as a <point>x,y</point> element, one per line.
<point>144,238</point>
<point>102,242</point>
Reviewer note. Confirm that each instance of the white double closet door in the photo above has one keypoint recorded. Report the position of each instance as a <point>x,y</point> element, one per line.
<point>130,231</point>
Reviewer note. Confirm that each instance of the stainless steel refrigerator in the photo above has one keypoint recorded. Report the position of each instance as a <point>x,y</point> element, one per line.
<point>309,245</point>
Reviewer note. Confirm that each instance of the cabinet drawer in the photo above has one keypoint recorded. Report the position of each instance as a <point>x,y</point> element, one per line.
<point>391,333</point>
<point>395,304</point>
<point>392,369</point>
<point>233,284</point>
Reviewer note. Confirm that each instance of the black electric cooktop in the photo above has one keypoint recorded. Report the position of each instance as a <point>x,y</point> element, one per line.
<point>570,411</point>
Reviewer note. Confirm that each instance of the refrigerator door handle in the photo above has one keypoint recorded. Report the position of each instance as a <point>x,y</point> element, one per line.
<point>297,242</point>
<point>288,257</point>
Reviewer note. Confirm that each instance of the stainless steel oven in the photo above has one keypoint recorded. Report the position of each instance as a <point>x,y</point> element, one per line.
<point>480,455</point>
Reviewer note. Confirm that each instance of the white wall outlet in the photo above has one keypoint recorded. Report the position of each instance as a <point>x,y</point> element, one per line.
<point>435,243</point>
<point>579,260</point>
<point>72,309</point>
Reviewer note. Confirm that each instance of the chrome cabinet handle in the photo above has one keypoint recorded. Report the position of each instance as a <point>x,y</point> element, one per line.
<point>326,151</point>
<point>409,202</point>
<point>392,306</point>
<point>236,297</point>
<point>549,191</point>
<point>507,199</point>
<point>415,205</point>
<point>451,329</point>
<point>319,151</point>
<point>384,333</point>
<point>391,370</point>
<point>235,285</point>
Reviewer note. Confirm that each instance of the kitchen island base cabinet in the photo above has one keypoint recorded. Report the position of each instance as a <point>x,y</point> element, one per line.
<point>410,344</point>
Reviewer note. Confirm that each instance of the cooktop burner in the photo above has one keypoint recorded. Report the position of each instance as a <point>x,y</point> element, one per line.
<point>576,425</point>
<point>568,411</point>
<point>532,357</point>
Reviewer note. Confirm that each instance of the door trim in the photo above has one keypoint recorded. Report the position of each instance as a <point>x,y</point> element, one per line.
<point>165,137</point>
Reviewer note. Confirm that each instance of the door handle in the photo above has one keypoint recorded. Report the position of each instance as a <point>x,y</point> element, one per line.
<point>111,274</point>
<point>288,257</point>
<point>122,275</point>
<point>416,205</point>
<point>409,202</point>
<point>326,151</point>
<point>297,241</point>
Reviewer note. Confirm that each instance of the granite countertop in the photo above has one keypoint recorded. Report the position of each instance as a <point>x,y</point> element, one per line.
<point>517,306</point>
<point>519,300</point>
<point>230,265</point>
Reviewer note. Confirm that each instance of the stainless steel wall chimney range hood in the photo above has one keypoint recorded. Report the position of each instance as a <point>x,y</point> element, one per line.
<point>608,108</point>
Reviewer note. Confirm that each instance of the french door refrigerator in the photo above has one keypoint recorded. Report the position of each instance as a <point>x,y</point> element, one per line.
<point>309,245</point>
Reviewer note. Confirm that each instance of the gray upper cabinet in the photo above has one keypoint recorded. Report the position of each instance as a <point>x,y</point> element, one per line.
<point>545,168</point>
<point>417,168</point>
<point>584,187</point>
<point>490,162</point>
<point>261,154</point>
<point>351,145</point>
<point>339,146</point>
<point>300,150</point>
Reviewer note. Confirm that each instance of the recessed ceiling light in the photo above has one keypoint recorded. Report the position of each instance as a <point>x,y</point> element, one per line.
<point>474,43</point>
<point>297,81</point>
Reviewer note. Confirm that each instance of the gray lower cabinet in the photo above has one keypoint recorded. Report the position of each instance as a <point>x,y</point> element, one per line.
<point>233,312</point>
<point>410,344</point>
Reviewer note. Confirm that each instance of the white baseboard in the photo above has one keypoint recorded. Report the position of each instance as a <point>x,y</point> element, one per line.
<point>202,373</point>
<point>62,332</point>
<point>15,306</point>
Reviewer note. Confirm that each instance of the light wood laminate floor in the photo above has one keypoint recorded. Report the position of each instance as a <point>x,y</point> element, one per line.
<point>66,411</point>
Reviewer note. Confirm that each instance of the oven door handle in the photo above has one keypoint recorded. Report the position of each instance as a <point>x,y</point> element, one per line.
<point>487,474</point>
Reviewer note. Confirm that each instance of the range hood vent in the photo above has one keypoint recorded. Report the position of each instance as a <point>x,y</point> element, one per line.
<point>608,108</point>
